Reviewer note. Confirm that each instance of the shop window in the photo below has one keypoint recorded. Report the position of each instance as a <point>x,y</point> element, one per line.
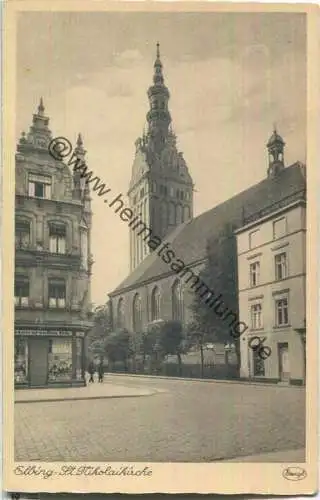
<point>60,360</point>
<point>282,317</point>
<point>57,236</point>
<point>57,293</point>
<point>79,362</point>
<point>21,360</point>
<point>258,365</point>
<point>254,273</point>
<point>280,266</point>
<point>22,234</point>
<point>39,186</point>
<point>256,316</point>
<point>21,291</point>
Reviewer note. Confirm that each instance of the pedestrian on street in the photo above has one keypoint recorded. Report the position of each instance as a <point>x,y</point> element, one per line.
<point>91,370</point>
<point>101,371</point>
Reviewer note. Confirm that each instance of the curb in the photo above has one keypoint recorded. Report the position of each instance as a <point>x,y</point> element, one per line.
<point>208,380</point>
<point>83,398</point>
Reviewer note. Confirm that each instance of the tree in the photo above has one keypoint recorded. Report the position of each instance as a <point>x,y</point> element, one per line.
<point>102,324</point>
<point>95,339</point>
<point>171,337</point>
<point>151,345</point>
<point>220,276</point>
<point>118,347</point>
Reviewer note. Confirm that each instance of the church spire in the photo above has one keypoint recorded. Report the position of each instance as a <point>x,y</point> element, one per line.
<point>158,76</point>
<point>41,107</point>
<point>158,117</point>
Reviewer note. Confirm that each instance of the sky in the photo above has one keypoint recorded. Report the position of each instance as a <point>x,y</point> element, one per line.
<point>231,77</point>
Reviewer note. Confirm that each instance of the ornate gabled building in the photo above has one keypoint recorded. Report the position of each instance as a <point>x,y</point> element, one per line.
<point>52,263</point>
<point>161,188</point>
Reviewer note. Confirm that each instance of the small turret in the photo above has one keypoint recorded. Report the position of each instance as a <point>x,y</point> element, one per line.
<point>39,135</point>
<point>275,147</point>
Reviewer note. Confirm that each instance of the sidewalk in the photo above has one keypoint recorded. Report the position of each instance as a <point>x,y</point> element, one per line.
<point>208,380</point>
<point>92,391</point>
<point>286,456</point>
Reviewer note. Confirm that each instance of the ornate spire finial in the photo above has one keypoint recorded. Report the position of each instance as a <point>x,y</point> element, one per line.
<point>41,107</point>
<point>79,140</point>
<point>158,76</point>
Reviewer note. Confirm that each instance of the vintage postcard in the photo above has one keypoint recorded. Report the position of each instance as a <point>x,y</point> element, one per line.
<point>160,247</point>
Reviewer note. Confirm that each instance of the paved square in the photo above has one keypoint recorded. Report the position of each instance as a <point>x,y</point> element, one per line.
<point>187,421</point>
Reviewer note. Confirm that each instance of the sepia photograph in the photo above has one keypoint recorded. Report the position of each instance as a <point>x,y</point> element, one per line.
<point>160,246</point>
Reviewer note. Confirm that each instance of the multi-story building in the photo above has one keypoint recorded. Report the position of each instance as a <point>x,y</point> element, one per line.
<point>272,281</point>
<point>52,263</point>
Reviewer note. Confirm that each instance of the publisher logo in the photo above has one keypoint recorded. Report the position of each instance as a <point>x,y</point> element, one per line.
<point>294,473</point>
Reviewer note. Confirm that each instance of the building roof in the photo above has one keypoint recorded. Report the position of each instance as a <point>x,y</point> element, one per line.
<point>189,241</point>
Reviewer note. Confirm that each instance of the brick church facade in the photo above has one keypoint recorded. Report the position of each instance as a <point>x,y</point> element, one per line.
<point>161,190</point>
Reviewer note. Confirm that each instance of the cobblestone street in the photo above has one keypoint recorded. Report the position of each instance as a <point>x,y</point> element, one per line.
<point>185,421</point>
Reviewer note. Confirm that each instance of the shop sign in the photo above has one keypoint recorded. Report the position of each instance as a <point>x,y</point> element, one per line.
<point>43,333</point>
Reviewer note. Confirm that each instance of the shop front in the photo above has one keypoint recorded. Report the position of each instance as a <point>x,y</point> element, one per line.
<point>49,358</point>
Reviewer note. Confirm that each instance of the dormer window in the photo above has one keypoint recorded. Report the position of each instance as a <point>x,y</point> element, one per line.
<point>39,186</point>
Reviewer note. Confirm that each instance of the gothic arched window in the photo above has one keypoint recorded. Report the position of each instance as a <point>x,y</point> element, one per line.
<point>120,313</point>
<point>137,313</point>
<point>172,214</point>
<point>155,304</point>
<point>186,213</point>
<point>177,301</point>
<point>163,217</point>
<point>178,214</point>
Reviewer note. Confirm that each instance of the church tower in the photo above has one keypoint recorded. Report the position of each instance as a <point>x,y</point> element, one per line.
<point>161,188</point>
